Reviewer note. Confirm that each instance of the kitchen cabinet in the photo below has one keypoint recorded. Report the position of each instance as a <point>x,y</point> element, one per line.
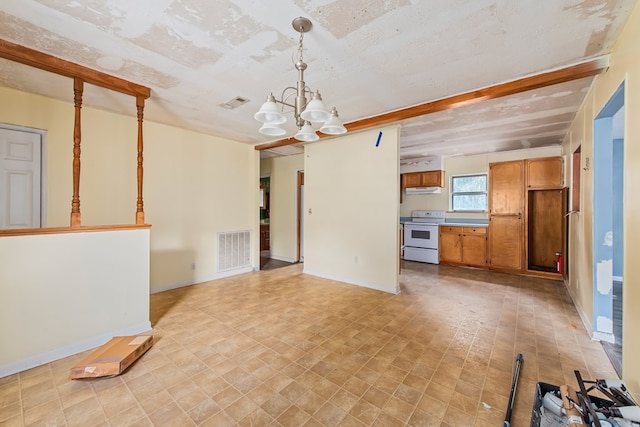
<point>505,242</point>
<point>264,237</point>
<point>463,245</point>
<point>423,179</point>
<point>546,228</point>
<point>546,172</point>
<point>450,249</point>
<point>527,207</point>
<point>506,188</point>
<point>506,215</point>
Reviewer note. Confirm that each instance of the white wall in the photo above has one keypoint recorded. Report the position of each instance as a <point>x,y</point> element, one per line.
<point>624,67</point>
<point>61,294</point>
<point>468,165</point>
<point>283,202</point>
<point>196,186</point>
<point>351,211</point>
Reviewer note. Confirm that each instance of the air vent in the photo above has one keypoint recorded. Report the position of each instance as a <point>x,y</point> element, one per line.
<point>234,103</point>
<point>234,250</point>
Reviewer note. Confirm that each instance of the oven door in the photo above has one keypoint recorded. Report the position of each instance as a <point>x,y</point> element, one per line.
<point>421,236</point>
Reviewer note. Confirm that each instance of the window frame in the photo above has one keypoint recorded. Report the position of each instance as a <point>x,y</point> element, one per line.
<point>485,193</point>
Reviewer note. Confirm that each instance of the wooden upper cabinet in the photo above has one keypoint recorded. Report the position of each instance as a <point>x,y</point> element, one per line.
<point>506,188</point>
<point>423,179</point>
<point>411,180</point>
<point>546,172</point>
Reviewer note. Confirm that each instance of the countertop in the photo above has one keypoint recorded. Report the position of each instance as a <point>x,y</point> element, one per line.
<point>464,224</point>
<point>455,222</point>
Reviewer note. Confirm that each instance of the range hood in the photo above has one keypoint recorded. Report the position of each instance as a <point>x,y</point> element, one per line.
<point>424,190</point>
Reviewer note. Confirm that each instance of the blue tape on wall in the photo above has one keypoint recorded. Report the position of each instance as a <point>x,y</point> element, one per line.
<point>379,138</point>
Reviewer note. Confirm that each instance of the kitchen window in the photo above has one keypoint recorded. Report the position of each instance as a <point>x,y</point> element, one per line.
<point>469,193</point>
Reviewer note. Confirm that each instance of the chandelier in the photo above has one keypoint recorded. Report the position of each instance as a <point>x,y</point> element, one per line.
<point>306,111</point>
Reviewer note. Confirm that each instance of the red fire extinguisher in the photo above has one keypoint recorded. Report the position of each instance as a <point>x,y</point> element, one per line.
<point>559,262</point>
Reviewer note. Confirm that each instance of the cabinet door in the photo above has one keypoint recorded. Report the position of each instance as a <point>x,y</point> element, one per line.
<point>505,242</point>
<point>546,172</point>
<point>411,180</point>
<point>432,179</point>
<point>450,247</point>
<point>474,249</point>
<point>545,228</point>
<point>506,188</point>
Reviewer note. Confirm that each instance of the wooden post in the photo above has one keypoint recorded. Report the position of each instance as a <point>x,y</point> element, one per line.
<point>78,88</point>
<point>140,203</point>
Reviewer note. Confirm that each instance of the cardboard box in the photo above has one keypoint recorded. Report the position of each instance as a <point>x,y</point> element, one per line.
<point>113,357</point>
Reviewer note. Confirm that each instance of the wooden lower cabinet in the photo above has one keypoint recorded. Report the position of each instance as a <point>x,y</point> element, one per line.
<point>463,246</point>
<point>505,242</point>
<point>474,248</point>
<point>450,250</point>
<point>264,237</point>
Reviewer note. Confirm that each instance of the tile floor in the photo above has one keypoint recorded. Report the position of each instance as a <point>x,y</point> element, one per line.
<point>278,347</point>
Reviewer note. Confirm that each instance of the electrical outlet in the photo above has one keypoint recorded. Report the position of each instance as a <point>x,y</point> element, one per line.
<point>193,266</point>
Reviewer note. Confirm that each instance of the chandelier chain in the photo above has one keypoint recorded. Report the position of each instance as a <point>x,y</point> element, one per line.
<point>300,47</point>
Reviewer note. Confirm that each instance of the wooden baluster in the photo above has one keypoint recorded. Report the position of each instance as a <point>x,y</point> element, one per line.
<point>140,204</point>
<point>78,88</point>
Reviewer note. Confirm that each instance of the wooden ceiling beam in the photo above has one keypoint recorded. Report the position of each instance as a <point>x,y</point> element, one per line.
<point>549,78</point>
<point>43,61</point>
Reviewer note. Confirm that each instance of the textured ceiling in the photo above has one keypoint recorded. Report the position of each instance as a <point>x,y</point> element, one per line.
<point>367,58</point>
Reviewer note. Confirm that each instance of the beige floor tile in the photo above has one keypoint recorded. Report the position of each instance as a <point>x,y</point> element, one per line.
<point>316,352</point>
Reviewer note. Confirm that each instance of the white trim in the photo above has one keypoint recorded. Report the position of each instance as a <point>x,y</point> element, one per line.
<point>282,258</point>
<point>583,316</point>
<point>69,350</point>
<point>617,278</point>
<point>351,282</point>
<point>222,275</point>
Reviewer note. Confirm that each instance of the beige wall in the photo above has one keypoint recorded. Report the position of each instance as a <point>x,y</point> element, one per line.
<point>283,200</point>
<point>194,185</point>
<point>464,165</point>
<point>61,294</point>
<point>351,209</point>
<point>624,67</point>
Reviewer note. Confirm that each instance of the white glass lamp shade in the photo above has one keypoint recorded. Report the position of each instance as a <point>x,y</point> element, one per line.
<point>315,111</point>
<point>272,130</point>
<point>306,133</point>
<point>269,113</point>
<point>334,125</point>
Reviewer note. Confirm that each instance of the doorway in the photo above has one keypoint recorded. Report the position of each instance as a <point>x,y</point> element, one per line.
<point>608,226</point>
<point>21,177</point>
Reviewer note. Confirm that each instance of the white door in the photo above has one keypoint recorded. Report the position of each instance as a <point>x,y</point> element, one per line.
<point>20,158</point>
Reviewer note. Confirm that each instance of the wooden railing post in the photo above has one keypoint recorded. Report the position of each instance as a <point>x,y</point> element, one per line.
<point>140,203</point>
<point>78,88</point>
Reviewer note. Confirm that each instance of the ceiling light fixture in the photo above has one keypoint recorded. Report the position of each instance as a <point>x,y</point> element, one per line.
<point>305,111</point>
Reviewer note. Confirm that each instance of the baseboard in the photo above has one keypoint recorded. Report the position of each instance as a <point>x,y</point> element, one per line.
<point>163,288</point>
<point>282,258</point>
<point>583,316</point>
<point>350,282</point>
<point>70,350</point>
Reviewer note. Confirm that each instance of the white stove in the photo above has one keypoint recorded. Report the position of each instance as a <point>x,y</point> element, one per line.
<point>421,236</point>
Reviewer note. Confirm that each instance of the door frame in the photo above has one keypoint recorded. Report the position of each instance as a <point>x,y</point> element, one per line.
<point>602,237</point>
<point>43,165</point>
<point>300,183</point>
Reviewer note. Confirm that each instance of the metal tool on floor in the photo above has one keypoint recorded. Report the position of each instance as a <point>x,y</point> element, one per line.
<point>512,396</point>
